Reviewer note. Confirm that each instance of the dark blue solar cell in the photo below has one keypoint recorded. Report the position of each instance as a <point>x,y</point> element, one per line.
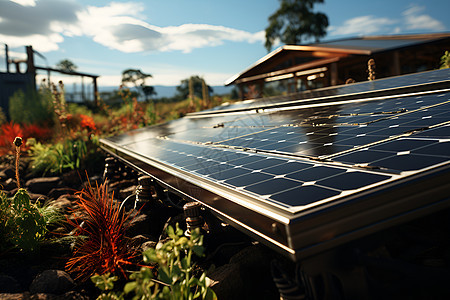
<point>184,160</point>
<point>272,186</point>
<point>211,168</point>
<point>228,174</point>
<point>248,179</point>
<point>362,156</point>
<point>437,149</point>
<point>304,195</point>
<point>315,173</point>
<point>352,180</point>
<point>359,140</point>
<point>287,168</point>
<point>438,132</point>
<point>245,160</point>
<point>264,163</point>
<point>401,145</point>
<point>328,149</point>
<point>409,162</point>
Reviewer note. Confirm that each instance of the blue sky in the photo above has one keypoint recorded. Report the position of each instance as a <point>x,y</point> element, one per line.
<point>174,39</point>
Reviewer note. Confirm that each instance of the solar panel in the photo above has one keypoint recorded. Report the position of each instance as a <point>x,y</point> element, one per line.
<point>290,175</point>
<point>425,81</point>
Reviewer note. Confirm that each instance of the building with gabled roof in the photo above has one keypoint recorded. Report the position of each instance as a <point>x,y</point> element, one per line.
<point>293,68</point>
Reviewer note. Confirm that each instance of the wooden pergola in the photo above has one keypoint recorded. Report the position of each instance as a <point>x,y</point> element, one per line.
<point>32,68</point>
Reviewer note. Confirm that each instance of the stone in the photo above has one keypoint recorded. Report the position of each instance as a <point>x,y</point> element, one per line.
<point>247,276</point>
<point>42,185</point>
<point>37,198</point>
<point>64,202</point>
<point>52,282</point>
<point>124,193</point>
<point>58,192</point>
<point>72,179</point>
<point>9,184</point>
<point>72,295</point>
<point>3,176</point>
<point>10,172</point>
<point>227,282</point>
<point>8,284</point>
<point>15,296</point>
<point>139,224</point>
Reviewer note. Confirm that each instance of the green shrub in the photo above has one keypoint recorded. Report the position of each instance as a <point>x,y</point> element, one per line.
<point>31,107</point>
<point>24,224</point>
<point>175,268</point>
<point>445,60</point>
<point>54,159</point>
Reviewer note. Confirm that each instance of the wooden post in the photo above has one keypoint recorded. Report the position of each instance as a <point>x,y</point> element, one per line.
<point>30,66</point>
<point>395,64</point>
<point>7,58</point>
<point>205,94</point>
<point>94,79</point>
<point>334,74</point>
<point>191,92</point>
<point>82,89</point>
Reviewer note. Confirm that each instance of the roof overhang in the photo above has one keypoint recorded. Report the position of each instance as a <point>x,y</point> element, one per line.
<point>327,50</point>
<point>311,65</point>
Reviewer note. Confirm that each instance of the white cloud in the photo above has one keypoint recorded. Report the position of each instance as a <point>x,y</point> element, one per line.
<point>415,20</point>
<point>38,23</point>
<point>114,27</point>
<point>25,2</point>
<point>119,26</point>
<point>362,25</point>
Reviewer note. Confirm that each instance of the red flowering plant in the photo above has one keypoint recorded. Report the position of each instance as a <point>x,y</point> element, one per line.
<point>87,122</point>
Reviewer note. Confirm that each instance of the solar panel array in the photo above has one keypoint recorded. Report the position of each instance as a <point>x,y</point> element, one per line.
<point>290,160</point>
<point>393,85</point>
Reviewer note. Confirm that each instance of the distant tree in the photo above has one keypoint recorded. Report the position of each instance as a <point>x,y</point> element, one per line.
<point>66,66</point>
<point>148,91</point>
<point>295,21</point>
<point>197,86</point>
<point>137,78</point>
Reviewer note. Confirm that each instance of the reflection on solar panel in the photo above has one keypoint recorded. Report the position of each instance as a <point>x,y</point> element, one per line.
<point>305,175</point>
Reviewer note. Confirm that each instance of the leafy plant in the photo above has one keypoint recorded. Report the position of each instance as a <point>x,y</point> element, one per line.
<point>445,60</point>
<point>31,107</point>
<point>105,248</point>
<point>61,156</point>
<point>174,279</point>
<point>24,224</point>
<point>5,208</point>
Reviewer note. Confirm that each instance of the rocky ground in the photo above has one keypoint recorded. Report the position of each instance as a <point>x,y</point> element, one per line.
<point>239,267</point>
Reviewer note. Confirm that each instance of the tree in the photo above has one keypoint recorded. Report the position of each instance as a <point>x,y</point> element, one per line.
<point>137,78</point>
<point>66,66</point>
<point>197,87</point>
<point>295,21</point>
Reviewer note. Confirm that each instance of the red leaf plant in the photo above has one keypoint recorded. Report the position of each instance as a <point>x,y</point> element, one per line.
<point>103,224</point>
<point>40,133</point>
<point>8,132</point>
